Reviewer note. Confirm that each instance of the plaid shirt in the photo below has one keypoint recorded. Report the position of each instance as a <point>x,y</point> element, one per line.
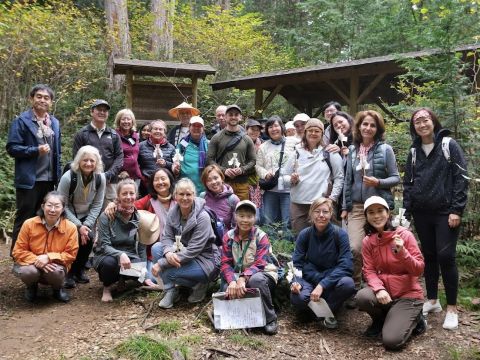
<point>255,259</point>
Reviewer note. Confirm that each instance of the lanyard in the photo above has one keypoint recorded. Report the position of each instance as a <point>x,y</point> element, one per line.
<point>239,265</point>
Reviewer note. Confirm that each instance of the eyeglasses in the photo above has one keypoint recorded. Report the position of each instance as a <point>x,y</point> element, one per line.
<point>53,206</point>
<point>313,131</point>
<point>321,212</point>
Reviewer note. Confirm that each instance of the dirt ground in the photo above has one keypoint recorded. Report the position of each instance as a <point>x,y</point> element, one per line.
<point>87,329</point>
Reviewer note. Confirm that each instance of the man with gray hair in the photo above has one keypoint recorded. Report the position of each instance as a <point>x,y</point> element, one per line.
<point>34,143</point>
<point>220,117</point>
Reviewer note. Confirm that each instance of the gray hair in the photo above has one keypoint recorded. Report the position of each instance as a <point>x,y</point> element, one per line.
<point>125,182</point>
<point>87,150</point>
<point>185,183</point>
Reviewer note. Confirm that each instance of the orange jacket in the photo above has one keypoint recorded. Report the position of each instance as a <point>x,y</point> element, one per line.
<point>60,244</point>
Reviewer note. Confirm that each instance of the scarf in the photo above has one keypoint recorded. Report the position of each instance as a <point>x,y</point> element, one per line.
<point>278,142</point>
<point>363,151</point>
<point>202,149</point>
<point>161,141</point>
<point>125,212</point>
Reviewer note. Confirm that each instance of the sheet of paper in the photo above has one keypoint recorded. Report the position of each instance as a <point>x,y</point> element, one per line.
<point>238,313</point>
<point>136,269</point>
<point>320,308</point>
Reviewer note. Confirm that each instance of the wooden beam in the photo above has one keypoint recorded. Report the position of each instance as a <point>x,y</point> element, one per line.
<point>338,91</point>
<point>129,89</point>
<point>270,96</point>
<point>353,102</point>
<point>370,87</point>
<point>258,101</point>
<point>194,91</point>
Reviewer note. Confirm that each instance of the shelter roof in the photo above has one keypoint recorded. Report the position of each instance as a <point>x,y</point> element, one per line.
<point>157,68</point>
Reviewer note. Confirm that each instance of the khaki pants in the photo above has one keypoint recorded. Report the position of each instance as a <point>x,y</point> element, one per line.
<point>299,217</point>
<point>401,316</point>
<point>239,189</point>
<point>356,233</point>
<point>30,275</point>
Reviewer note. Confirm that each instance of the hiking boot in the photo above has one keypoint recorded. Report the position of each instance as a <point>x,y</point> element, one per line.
<point>82,277</point>
<point>61,295</point>
<point>271,328</point>
<point>171,296</point>
<point>421,325</point>
<point>69,282</point>
<point>330,323</point>
<point>31,293</point>
<point>375,329</point>
<point>199,292</point>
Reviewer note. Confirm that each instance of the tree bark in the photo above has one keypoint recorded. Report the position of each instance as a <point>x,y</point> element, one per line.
<point>162,33</point>
<point>116,12</point>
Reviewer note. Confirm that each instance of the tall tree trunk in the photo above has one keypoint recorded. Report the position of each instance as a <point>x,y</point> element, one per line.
<point>116,12</point>
<point>162,33</point>
<point>224,4</point>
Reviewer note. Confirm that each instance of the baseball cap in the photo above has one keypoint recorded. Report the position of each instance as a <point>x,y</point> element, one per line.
<point>246,203</point>
<point>301,117</point>
<point>289,125</point>
<point>99,102</point>
<point>196,120</point>
<point>253,122</point>
<point>375,200</point>
<point>233,106</point>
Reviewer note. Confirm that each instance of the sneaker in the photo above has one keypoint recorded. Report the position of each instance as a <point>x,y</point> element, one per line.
<point>421,326</point>
<point>171,296</point>
<point>330,323</point>
<point>31,293</point>
<point>271,328</point>
<point>428,307</point>
<point>451,321</point>
<point>199,292</point>
<point>375,329</point>
<point>69,282</point>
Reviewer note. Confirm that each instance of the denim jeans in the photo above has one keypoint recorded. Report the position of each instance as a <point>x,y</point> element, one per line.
<point>277,209</point>
<point>189,274</point>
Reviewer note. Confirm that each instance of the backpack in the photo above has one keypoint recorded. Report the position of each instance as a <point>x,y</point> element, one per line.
<point>74,181</point>
<point>445,150</point>
<point>217,226</point>
<point>326,157</point>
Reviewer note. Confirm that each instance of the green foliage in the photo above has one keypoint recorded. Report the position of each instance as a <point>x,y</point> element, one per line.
<point>168,327</point>
<point>233,43</point>
<point>241,339</point>
<point>464,354</point>
<point>145,348</point>
<point>52,43</point>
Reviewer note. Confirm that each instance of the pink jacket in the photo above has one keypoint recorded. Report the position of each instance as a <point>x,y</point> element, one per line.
<point>396,273</point>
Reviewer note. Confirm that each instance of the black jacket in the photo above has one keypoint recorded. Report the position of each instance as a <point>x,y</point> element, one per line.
<point>146,160</point>
<point>109,146</point>
<point>434,185</point>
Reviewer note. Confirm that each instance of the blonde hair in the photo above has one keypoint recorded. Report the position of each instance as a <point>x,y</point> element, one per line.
<point>87,150</point>
<point>185,183</point>
<point>121,114</point>
<point>319,202</point>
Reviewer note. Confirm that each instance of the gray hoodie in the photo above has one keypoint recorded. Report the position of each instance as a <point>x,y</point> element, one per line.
<point>197,238</point>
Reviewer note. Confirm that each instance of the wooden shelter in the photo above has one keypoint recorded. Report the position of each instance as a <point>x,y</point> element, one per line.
<point>363,81</point>
<point>151,100</point>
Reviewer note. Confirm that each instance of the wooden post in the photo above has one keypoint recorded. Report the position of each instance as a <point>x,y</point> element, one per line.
<point>194,91</point>
<point>129,89</point>
<point>353,103</point>
<point>258,102</point>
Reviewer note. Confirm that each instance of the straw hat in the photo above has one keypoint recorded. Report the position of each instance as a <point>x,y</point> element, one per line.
<point>148,227</point>
<point>183,106</point>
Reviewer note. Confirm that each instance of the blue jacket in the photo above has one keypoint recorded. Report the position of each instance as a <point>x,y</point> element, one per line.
<point>324,258</point>
<point>22,144</point>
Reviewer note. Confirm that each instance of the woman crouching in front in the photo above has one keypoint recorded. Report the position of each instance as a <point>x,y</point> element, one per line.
<point>392,263</point>
<point>118,242</point>
<point>187,254</point>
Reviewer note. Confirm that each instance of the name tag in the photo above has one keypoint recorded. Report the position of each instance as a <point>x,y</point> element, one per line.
<point>184,143</point>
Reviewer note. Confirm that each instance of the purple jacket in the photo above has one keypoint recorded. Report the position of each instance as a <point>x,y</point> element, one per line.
<point>223,204</point>
<point>130,156</point>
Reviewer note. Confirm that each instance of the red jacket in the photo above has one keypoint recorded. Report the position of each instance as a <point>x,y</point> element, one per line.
<point>396,273</point>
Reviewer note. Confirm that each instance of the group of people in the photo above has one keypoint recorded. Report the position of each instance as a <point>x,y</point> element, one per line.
<point>327,183</point>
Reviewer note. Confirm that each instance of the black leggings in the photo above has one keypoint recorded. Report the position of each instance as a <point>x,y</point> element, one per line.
<point>439,242</point>
<point>109,270</point>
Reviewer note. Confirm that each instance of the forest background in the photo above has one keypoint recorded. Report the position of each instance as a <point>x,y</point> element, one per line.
<point>70,46</point>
